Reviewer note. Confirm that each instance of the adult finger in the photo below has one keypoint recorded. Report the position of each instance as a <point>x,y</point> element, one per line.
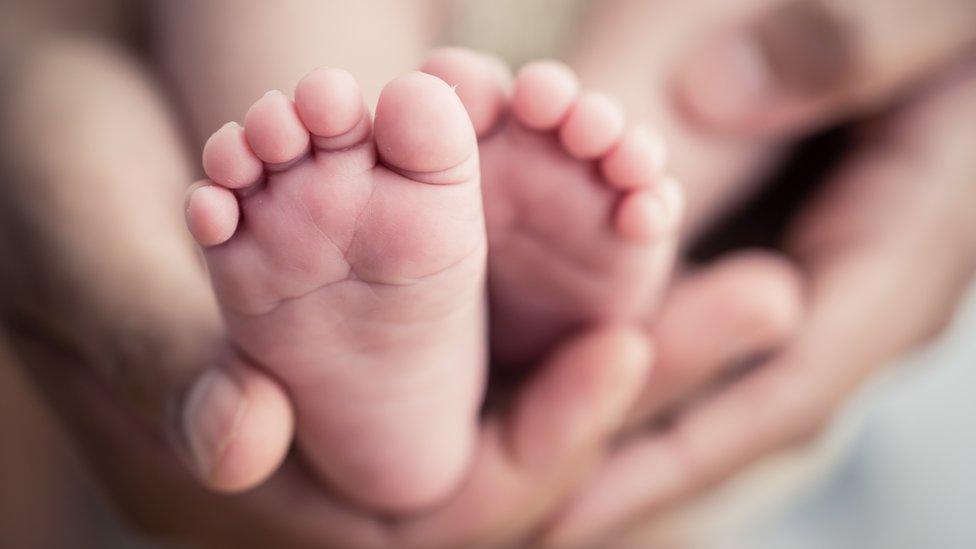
<point>879,285</point>
<point>723,316</point>
<point>794,64</point>
<point>97,261</point>
<point>775,405</point>
<point>528,460</point>
<point>554,432</point>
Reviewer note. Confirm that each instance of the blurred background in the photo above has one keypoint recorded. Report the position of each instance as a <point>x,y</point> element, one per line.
<point>907,479</point>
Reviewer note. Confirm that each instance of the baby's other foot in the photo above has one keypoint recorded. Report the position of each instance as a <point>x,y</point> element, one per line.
<point>349,262</point>
<point>582,219</point>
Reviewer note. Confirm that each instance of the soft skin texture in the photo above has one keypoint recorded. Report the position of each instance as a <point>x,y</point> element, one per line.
<point>91,324</point>
<point>355,275</point>
<point>581,213</point>
<point>887,248</point>
<point>527,462</point>
<point>731,84</point>
<point>859,257</point>
<point>119,385</point>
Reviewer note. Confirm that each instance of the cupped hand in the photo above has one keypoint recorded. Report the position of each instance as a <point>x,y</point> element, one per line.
<point>788,66</point>
<point>531,454</point>
<point>886,251</point>
<point>107,308</point>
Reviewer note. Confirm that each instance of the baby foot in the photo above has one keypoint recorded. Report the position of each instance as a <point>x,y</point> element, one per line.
<point>581,218</point>
<point>357,281</point>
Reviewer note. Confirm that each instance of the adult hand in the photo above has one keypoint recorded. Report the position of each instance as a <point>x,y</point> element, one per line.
<point>533,454</point>
<point>107,309</point>
<point>529,457</point>
<point>791,65</point>
<point>887,251</point>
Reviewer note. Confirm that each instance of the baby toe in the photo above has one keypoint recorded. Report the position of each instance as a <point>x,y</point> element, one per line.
<point>594,124</point>
<point>637,161</point>
<point>544,92</point>
<point>274,131</point>
<point>650,214</point>
<point>228,160</point>
<point>330,104</point>
<point>212,214</point>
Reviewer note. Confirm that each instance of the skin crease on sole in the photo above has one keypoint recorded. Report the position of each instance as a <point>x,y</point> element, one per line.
<point>348,257</point>
<point>582,215</point>
<point>549,276</point>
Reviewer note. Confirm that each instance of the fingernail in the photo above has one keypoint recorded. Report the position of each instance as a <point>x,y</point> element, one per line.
<point>726,82</point>
<point>808,47</point>
<point>213,410</point>
<point>798,51</point>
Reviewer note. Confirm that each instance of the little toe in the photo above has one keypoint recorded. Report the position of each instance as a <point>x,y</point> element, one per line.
<point>481,82</point>
<point>594,124</point>
<point>423,131</point>
<point>648,215</point>
<point>673,197</point>
<point>212,214</point>
<point>330,104</point>
<point>228,160</point>
<point>637,161</point>
<point>274,130</point>
<point>544,92</point>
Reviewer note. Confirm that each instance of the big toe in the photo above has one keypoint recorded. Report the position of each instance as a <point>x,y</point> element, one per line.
<point>422,128</point>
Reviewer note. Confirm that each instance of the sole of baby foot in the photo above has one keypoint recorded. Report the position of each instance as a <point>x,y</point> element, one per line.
<point>582,215</point>
<point>348,257</point>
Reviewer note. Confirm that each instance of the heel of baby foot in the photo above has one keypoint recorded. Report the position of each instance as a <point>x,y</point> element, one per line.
<point>330,103</point>
<point>415,483</point>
